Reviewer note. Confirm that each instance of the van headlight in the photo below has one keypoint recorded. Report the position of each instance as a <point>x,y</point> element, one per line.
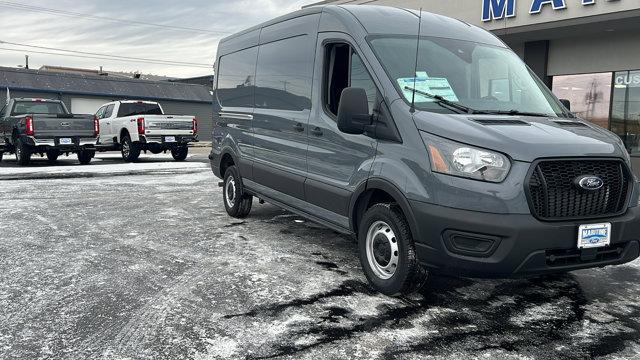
<point>456,159</point>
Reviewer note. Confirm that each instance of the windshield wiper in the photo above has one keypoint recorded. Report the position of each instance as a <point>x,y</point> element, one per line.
<point>515,112</point>
<point>444,102</point>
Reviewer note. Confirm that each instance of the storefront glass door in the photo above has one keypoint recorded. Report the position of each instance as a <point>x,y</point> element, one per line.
<point>625,109</point>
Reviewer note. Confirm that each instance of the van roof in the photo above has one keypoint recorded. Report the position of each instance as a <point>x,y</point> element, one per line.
<point>376,19</point>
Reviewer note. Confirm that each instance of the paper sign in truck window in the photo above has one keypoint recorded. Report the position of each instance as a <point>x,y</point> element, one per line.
<point>433,86</point>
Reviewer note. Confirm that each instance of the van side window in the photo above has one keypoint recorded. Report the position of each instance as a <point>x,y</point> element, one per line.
<point>344,68</point>
<point>283,82</point>
<point>236,78</point>
<point>359,77</point>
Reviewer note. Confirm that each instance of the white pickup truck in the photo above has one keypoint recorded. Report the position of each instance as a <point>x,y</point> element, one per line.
<point>135,126</point>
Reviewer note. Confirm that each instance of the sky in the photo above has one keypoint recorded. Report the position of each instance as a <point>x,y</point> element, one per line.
<point>121,28</point>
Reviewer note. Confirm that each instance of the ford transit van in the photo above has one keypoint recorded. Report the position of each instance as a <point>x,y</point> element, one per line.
<point>438,148</point>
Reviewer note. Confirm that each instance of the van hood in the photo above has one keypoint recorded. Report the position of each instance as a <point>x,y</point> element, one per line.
<point>524,138</point>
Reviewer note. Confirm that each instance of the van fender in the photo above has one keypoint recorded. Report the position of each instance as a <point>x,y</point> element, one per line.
<point>216,159</point>
<point>358,202</point>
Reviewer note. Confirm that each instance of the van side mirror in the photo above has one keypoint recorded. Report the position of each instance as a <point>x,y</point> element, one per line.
<point>353,111</point>
<point>566,103</point>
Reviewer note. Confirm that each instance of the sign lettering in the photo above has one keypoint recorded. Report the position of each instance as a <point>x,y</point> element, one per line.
<point>501,9</point>
<point>498,9</point>
<point>632,80</point>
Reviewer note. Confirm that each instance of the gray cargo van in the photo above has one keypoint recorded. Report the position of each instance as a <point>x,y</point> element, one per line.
<point>456,161</point>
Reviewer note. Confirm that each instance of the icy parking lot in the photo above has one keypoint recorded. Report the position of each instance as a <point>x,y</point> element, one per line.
<point>147,265</point>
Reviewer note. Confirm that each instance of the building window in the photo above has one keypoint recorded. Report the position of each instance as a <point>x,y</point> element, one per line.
<point>625,109</point>
<point>589,94</point>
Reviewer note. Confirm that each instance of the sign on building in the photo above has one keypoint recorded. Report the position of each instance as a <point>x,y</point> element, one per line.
<point>500,9</point>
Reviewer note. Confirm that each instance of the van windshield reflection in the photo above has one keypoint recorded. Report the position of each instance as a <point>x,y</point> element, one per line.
<point>485,78</point>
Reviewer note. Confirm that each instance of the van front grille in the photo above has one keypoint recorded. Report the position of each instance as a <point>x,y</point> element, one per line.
<point>554,195</point>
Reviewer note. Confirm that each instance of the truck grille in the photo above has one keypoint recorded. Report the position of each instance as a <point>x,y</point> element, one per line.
<point>553,194</point>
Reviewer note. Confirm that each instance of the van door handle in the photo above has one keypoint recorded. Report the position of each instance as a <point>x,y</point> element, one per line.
<point>317,131</point>
<point>298,127</point>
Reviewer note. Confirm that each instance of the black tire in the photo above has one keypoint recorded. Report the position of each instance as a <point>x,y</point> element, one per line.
<point>130,150</point>
<point>85,156</point>
<point>23,153</point>
<point>391,243</point>
<point>1,154</point>
<point>180,153</point>
<point>52,155</point>
<point>236,202</point>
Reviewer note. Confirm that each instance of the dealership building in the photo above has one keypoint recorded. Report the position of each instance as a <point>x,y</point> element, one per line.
<point>586,51</point>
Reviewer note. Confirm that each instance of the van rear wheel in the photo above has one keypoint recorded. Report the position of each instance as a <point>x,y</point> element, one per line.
<point>236,201</point>
<point>387,251</point>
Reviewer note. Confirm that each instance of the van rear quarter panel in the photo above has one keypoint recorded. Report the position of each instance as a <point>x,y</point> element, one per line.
<point>233,135</point>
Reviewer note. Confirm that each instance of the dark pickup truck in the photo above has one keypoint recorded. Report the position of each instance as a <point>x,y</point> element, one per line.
<point>45,127</point>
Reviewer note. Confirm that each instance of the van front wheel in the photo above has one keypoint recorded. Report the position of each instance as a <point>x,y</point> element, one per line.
<point>387,251</point>
<point>236,202</point>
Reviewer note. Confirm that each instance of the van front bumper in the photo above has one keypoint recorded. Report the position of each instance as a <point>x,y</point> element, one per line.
<point>475,244</point>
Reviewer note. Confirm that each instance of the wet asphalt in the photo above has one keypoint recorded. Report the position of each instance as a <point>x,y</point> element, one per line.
<point>150,266</point>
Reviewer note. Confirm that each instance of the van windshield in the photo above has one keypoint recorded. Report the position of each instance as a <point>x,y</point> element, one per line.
<point>477,77</point>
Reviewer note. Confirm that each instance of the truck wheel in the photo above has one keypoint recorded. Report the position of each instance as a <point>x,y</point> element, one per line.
<point>85,156</point>
<point>387,251</point>
<point>180,153</point>
<point>23,153</point>
<point>52,155</point>
<point>130,150</point>
<point>236,202</point>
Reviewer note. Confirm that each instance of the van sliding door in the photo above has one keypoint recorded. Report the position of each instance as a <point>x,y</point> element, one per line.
<point>284,77</point>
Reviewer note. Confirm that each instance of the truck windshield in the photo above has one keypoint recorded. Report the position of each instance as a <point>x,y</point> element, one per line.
<point>38,107</point>
<point>480,77</point>
<point>130,109</point>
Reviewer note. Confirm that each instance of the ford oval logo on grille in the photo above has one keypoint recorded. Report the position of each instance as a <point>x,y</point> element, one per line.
<point>65,124</point>
<point>589,182</point>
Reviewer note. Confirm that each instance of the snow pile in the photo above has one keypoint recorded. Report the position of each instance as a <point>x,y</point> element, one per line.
<point>100,169</point>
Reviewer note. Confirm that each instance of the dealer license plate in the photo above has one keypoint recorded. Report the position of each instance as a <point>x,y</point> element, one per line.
<point>65,141</point>
<point>594,236</point>
<point>169,139</point>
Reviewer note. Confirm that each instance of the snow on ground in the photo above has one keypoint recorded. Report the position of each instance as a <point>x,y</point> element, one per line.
<point>103,165</point>
<point>151,267</point>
